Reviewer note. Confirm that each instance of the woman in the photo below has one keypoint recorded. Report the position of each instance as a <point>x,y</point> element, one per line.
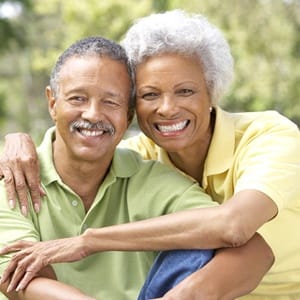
<point>248,162</point>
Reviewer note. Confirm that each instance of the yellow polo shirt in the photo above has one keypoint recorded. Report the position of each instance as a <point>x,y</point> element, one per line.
<point>261,151</point>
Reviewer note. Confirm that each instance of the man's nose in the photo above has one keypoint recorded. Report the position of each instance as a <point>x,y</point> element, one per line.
<point>92,112</point>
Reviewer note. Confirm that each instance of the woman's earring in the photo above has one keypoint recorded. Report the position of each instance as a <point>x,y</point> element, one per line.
<point>210,109</point>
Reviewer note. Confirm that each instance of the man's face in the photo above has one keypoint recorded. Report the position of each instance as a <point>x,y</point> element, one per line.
<point>91,108</point>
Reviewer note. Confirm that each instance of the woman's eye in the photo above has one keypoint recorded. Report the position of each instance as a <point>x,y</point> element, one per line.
<point>149,96</point>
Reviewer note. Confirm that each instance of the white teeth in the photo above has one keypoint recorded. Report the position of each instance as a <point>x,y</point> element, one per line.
<point>91,132</point>
<point>172,128</point>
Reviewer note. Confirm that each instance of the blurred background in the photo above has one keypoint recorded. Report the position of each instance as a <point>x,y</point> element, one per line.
<point>264,36</point>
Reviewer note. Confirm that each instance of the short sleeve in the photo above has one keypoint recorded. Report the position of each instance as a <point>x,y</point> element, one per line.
<point>270,161</point>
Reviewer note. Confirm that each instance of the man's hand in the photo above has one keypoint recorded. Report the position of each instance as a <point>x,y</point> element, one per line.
<point>32,257</point>
<point>19,167</point>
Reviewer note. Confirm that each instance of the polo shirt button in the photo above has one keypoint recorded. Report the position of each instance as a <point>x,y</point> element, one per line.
<point>74,203</point>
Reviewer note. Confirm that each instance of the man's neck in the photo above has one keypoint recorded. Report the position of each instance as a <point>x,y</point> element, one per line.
<point>83,177</point>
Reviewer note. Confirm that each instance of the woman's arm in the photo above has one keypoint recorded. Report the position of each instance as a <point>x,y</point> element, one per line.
<point>242,215</point>
<point>228,225</point>
<point>19,167</point>
<point>231,224</point>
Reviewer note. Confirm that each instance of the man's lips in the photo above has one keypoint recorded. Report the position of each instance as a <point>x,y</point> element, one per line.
<point>89,129</point>
<point>90,133</point>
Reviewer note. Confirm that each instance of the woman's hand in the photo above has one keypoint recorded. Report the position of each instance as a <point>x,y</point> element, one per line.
<point>19,167</point>
<point>32,257</point>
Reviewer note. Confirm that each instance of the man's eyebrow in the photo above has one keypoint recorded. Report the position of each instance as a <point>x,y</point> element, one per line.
<point>83,90</point>
<point>112,94</point>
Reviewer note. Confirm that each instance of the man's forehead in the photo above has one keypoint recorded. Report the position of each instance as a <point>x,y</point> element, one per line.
<point>103,74</point>
<point>78,60</point>
<point>90,63</point>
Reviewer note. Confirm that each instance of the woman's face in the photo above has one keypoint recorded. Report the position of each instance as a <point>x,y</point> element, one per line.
<point>173,105</point>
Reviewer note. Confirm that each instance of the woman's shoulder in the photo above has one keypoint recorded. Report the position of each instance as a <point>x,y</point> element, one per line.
<point>141,144</point>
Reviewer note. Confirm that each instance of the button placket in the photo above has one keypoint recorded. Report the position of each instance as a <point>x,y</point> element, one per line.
<point>74,203</point>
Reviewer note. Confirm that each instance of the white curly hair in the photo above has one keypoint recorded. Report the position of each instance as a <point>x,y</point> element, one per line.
<point>188,34</point>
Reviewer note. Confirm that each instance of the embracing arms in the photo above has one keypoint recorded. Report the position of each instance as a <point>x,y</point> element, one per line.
<point>231,224</point>
<point>241,216</point>
<point>224,226</point>
<point>233,272</point>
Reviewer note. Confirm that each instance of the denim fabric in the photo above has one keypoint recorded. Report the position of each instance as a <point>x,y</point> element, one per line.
<point>171,267</point>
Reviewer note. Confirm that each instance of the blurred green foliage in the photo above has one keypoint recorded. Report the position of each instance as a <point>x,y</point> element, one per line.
<point>263,34</point>
<point>12,31</point>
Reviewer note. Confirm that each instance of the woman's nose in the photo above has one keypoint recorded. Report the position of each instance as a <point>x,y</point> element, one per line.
<point>167,106</point>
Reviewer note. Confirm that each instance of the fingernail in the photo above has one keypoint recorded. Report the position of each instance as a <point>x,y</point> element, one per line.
<point>24,210</point>
<point>9,289</point>
<point>36,208</point>
<point>11,204</point>
<point>42,191</point>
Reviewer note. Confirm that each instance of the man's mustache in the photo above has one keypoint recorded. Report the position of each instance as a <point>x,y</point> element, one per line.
<point>81,124</point>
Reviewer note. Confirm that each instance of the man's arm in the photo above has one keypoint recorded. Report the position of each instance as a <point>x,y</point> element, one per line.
<point>46,289</point>
<point>233,272</point>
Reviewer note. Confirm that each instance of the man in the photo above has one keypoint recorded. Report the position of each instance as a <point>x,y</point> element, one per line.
<point>91,184</point>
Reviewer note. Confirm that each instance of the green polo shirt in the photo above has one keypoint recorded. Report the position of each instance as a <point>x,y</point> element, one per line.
<point>132,190</point>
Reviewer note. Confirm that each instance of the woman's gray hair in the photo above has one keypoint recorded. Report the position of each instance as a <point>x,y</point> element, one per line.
<point>177,32</point>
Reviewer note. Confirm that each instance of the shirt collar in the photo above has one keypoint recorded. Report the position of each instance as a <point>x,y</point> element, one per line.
<point>221,149</point>
<point>125,162</point>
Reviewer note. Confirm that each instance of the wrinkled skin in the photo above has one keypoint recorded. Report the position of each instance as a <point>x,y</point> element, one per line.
<point>32,257</point>
<point>21,173</point>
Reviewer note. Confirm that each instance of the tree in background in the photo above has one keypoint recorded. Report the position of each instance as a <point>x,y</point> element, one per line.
<point>11,33</point>
<point>263,34</point>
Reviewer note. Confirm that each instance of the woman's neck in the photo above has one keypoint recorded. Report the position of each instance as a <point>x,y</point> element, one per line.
<point>192,160</point>
<point>189,162</point>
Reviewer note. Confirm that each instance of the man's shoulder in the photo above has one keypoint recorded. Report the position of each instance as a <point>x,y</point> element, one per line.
<point>133,160</point>
<point>149,170</point>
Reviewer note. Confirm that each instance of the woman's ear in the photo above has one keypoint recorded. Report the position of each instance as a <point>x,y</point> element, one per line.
<point>51,102</point>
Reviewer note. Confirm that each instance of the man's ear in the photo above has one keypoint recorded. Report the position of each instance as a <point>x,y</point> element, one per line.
<point>51,102</point>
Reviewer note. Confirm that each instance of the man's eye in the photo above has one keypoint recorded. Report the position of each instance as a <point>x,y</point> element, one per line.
<point>77,99</point>
<point>111,102</point>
